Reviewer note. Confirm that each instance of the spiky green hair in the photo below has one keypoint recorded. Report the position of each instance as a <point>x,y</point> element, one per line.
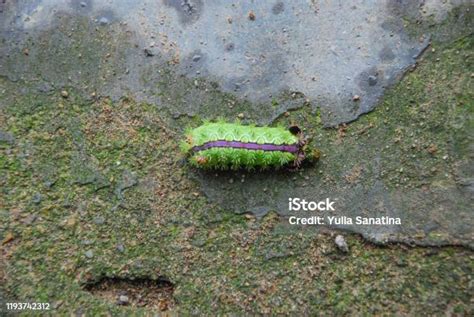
<point>234,158</point>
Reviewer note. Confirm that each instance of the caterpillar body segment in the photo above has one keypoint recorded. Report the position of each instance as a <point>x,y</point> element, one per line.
<point>221,145</point>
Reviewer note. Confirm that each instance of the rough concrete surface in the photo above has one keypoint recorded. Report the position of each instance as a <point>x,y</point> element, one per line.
<point>332,59</point>
<point>329,51</point>
<point>100,214</point>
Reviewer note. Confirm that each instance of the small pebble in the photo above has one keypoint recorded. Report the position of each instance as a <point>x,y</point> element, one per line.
<point>341,243</point>
<point>148,52</point>
<point>196,58</point>
<point>229,47</point>
<point>252,16</point>
<point>36,198</point>
<point>89,254</point>
<point>240,115</point>
<point>103,21</point>
<point>372,80</point>
<point>355,98</point>
<point>83,4</point>
<point>64,94</point>
<point>122,300</point>
<point>120,247</point>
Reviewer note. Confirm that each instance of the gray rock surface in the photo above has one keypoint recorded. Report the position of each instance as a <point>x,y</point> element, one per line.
<point>328,51</point>
<point>183,56</point>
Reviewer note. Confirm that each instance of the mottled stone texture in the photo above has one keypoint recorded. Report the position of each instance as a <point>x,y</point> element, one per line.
<point>326,61</point>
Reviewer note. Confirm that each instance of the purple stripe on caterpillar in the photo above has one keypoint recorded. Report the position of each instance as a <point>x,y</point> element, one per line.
<point>292,148</point>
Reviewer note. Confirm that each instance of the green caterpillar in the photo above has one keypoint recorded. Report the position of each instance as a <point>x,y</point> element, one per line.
<point>223,145</point>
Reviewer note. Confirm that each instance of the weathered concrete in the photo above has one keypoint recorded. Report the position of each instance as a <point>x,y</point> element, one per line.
<point>196,58</point>
<point>328,51</point>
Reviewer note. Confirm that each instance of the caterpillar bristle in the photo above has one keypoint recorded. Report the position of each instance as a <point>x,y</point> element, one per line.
<point>224,145</point>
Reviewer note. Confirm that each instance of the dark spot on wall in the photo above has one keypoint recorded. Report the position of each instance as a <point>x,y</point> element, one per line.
<point>278,7</point>
<point>386,54</point>
<point>3,4</point>
<point>400,11</point>
<point>294,129</point>
<point>189,11</point>
<point>393,25</point>
<point>369,79</point>
<point>193,63</point>
<point>229,47</point>
<point>136,292</point>
<point>372,80</point>
<point>404,8</point>
<point>81,6</point>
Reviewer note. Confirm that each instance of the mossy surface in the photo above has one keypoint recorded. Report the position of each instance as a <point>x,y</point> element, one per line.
<point>93,189</point>
<point>408,159</point>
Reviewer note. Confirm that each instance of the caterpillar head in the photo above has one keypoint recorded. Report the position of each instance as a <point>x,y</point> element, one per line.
<point>295,130</point>
<point>305,151</point>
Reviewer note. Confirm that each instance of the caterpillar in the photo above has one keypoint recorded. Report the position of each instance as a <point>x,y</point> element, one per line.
<point>222,145</point>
